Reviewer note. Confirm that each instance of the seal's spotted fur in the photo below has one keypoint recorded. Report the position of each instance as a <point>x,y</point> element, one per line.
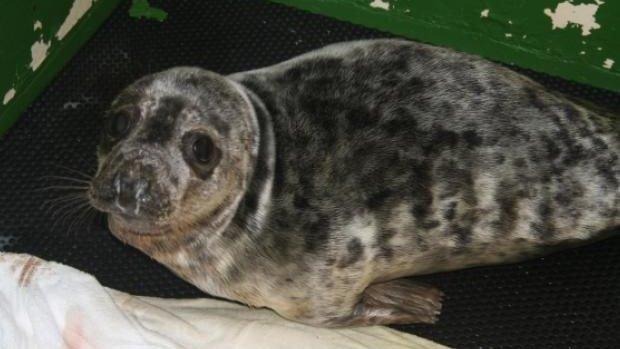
<point>349,167</point>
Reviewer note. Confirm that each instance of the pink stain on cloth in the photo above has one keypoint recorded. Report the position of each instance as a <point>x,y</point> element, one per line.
<point>53,306</point>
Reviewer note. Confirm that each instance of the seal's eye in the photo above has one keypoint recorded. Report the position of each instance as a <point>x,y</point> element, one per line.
<point>201,153</point>
<point>203,149</point>
<point>118,124</point>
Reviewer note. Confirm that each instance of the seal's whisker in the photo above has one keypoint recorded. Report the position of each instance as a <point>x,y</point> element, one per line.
<point>74,197</point>
<point>50,205</point>
<point>65,178</point>
<point>67,208</point>
<point>85,220</point>
<point>68,205</point>
<point>83,174</point>
<point>75,217</point>
<point>68,195</point>
<point>58,208</point>
<point>64,187</point>
<point>88,222</point>
<point>82,212</point>
<point>72,210</point>
<point>64,198</point>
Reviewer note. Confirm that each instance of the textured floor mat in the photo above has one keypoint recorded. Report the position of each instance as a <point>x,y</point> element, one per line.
<point>567,299</point>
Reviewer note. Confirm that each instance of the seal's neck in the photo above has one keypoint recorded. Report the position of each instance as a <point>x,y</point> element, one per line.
<point>243,235</point>
<point>255,205</point>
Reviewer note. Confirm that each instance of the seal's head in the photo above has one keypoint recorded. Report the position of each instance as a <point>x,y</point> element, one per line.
<point>176,153</point>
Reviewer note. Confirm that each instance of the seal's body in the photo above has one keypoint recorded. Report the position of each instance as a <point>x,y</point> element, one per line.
<point>312,186</point>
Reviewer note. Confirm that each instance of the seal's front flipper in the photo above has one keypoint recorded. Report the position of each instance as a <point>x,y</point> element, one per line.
<point>402,301</point>
<point>398,301</point>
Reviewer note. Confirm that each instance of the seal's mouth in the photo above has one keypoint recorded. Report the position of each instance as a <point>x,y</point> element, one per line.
<point>122,226</point>
<point>113,208</point>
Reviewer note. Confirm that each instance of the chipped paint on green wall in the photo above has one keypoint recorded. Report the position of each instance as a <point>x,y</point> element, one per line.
<point>577,40</point>
<point>574,39</point>
<point>142,9</point>
<point>37,37</point>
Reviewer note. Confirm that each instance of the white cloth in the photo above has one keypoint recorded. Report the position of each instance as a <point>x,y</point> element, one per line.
<point>50,305</point>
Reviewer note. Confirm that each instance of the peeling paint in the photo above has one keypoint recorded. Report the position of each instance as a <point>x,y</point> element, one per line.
<point>608,63</point>
<point>79,9</point>
<point>38,25</point>
<point>71,105</point>
<point>142,9</point>
<point>8,96</point>
<point>581,15</point>
<point>508,35</point>
<point>482,29</point>
<point>39,53</point>
<point>382,4</point>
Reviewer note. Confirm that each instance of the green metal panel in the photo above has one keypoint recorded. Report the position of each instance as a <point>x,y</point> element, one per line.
<point>577,41</point>
<point>584,46</point>
<point>37,37</point>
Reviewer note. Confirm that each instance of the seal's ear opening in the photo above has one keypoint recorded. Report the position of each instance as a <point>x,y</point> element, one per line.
<point>200,153</point>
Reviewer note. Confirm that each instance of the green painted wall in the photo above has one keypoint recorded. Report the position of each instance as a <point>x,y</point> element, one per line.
<point>576,40</point>
<point>37,38</point>
<point>584,46</point>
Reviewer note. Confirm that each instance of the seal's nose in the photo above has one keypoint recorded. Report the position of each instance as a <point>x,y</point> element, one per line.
<point>131,189</point>
<point>132,184</point>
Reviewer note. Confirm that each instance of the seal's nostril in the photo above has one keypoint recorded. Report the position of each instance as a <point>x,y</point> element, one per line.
<point>125,189</point>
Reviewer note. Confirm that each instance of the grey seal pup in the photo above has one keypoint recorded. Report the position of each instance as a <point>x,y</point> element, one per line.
<point>313,186</point>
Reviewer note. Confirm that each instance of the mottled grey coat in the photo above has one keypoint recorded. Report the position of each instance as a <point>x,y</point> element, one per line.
<point>362,163</point>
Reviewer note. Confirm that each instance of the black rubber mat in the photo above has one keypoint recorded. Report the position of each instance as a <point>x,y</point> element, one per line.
<point>569,299</point>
